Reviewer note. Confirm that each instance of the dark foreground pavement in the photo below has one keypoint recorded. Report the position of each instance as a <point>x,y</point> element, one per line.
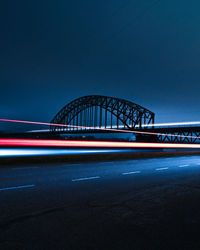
<point>133,204</point>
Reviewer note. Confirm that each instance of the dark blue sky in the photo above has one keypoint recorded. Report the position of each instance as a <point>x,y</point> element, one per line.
<point>142,50</point>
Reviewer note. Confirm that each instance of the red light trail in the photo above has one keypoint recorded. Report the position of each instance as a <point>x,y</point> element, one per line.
<point>86,144</point>
<point>37,123</point>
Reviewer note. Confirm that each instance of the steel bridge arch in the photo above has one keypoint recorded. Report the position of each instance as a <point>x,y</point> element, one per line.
<point>129,113</point>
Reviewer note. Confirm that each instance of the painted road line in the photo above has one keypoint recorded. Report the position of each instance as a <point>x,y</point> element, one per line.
<point>17,187</point>
<point>160,169</point>
<point>24,168</point>
<point>183,166</point>
<point>134,172</point>
<point>87,178</point>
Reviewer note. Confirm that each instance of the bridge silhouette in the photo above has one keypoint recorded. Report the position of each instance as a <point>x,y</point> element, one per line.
<point>96,114</point>
<point>97,111</point>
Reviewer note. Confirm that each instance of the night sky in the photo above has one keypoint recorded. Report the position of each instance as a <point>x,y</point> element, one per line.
<point>141,50</point>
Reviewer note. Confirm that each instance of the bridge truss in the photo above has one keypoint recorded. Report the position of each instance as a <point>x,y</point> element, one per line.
<point>171,135</point>
<point>180,135</point>
<point>95,111</point>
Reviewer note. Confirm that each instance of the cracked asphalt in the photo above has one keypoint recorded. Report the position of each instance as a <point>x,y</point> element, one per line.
<point>130,204</point>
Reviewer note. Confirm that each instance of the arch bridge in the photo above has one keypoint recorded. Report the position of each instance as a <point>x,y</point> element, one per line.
<point>95,111</point>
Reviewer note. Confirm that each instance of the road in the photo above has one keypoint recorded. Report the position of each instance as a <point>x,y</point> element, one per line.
<point>130,204</point>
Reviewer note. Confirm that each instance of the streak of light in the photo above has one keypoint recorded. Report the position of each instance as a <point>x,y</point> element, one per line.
<point>42,152</point>
<point>17,187</point>
<point>161,169</point>
<point>171,124</point>
<point>113,126</point>
<point>105,129</point>
<point>39,130</point>
<point>92,144</point>
<point>167,124</point>
<point>31,122</point>
<point>183,166</point>
<point>86,178</point>
<point>134,172</point>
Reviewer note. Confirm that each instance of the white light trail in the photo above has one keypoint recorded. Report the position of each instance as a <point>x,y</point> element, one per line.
<point>103,129</point>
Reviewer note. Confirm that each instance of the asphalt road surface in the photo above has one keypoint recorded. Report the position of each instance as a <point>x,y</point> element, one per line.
<point>134,204</point>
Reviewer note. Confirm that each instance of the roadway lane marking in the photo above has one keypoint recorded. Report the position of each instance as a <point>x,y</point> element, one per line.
<point>183,166</point>
<point>87,178</point>
<point>24,168</point>
<point>134,172</point>
<point>160,169</point>
<point>17,187</point>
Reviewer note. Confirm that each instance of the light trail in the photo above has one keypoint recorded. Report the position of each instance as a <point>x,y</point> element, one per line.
<point>17,187</point>
<point>86,178</point>
<point>104,129</point>
<point>169,124</point>
<point>172,124</point>
<point>133,172</point>
<point>15,152</point>
<point>37,123</point>
<point>91,144</point>
<point>183,166</point>
<point>161,169</point>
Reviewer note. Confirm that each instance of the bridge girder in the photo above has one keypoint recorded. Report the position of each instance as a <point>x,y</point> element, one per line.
<point>171,134</point>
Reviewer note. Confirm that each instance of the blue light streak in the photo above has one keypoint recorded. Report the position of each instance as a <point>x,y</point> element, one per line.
<point>86,178</point>
<point>17,187</point>
<point>45,152</point>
